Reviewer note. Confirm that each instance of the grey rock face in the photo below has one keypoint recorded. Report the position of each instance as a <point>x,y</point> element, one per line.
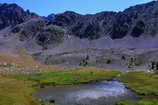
<point>135,21</point>
<point>39,31</point>
<point>107,39</point>
<point>12,14</point>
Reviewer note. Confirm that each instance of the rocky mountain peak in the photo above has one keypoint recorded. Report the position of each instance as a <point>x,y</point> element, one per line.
<point>12,14</point>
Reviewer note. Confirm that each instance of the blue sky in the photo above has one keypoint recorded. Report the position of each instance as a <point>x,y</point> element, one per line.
<point>45,7</point>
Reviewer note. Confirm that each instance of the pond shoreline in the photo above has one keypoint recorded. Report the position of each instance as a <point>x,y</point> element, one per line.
<point>102,89</point>
<point>79,78</point>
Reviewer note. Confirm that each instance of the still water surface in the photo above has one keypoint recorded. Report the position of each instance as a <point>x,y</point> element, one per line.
<point>101,93</point>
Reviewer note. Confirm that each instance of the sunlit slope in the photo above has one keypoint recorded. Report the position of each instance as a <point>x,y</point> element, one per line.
<point>20,60</point>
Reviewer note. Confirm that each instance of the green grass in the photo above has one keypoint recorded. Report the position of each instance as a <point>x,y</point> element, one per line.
<point>142,102</point>
<point>145,84</point>
<point>141,82</point>
<point>17,89</point>
<point>67,77</point>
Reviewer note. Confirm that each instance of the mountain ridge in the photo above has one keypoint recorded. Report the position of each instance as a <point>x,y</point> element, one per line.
<point>114,24</point>
<point>135,21</point>
<point>68,38</point>
<point>12,14</point>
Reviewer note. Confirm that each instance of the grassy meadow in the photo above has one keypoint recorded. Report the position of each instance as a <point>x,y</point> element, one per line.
<point>16,92</point>
<point>17,89</point>
<point>145,84</point>
<point>60,78</point>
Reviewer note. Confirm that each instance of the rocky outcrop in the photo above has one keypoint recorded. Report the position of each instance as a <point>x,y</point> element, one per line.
<point>39,31</point>
<point>12,14</point>
<point>135,21</point>
<point>106,39</point>
<point>139,20</point>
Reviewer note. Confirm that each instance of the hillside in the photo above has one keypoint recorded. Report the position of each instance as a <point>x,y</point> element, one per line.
<point>67,39</point>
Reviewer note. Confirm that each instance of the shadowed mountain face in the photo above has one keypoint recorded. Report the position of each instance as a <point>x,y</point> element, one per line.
<point>140,20</point>
<point>135,21</point>
<point>12,14</point>
<point>105,39</point>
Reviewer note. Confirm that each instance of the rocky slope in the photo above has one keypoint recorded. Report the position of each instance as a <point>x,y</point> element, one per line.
<point>106,39</point>
<point>12,14</point>
<point>135,21</point>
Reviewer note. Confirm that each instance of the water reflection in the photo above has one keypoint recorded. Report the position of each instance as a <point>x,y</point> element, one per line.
<point>101,93</point>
